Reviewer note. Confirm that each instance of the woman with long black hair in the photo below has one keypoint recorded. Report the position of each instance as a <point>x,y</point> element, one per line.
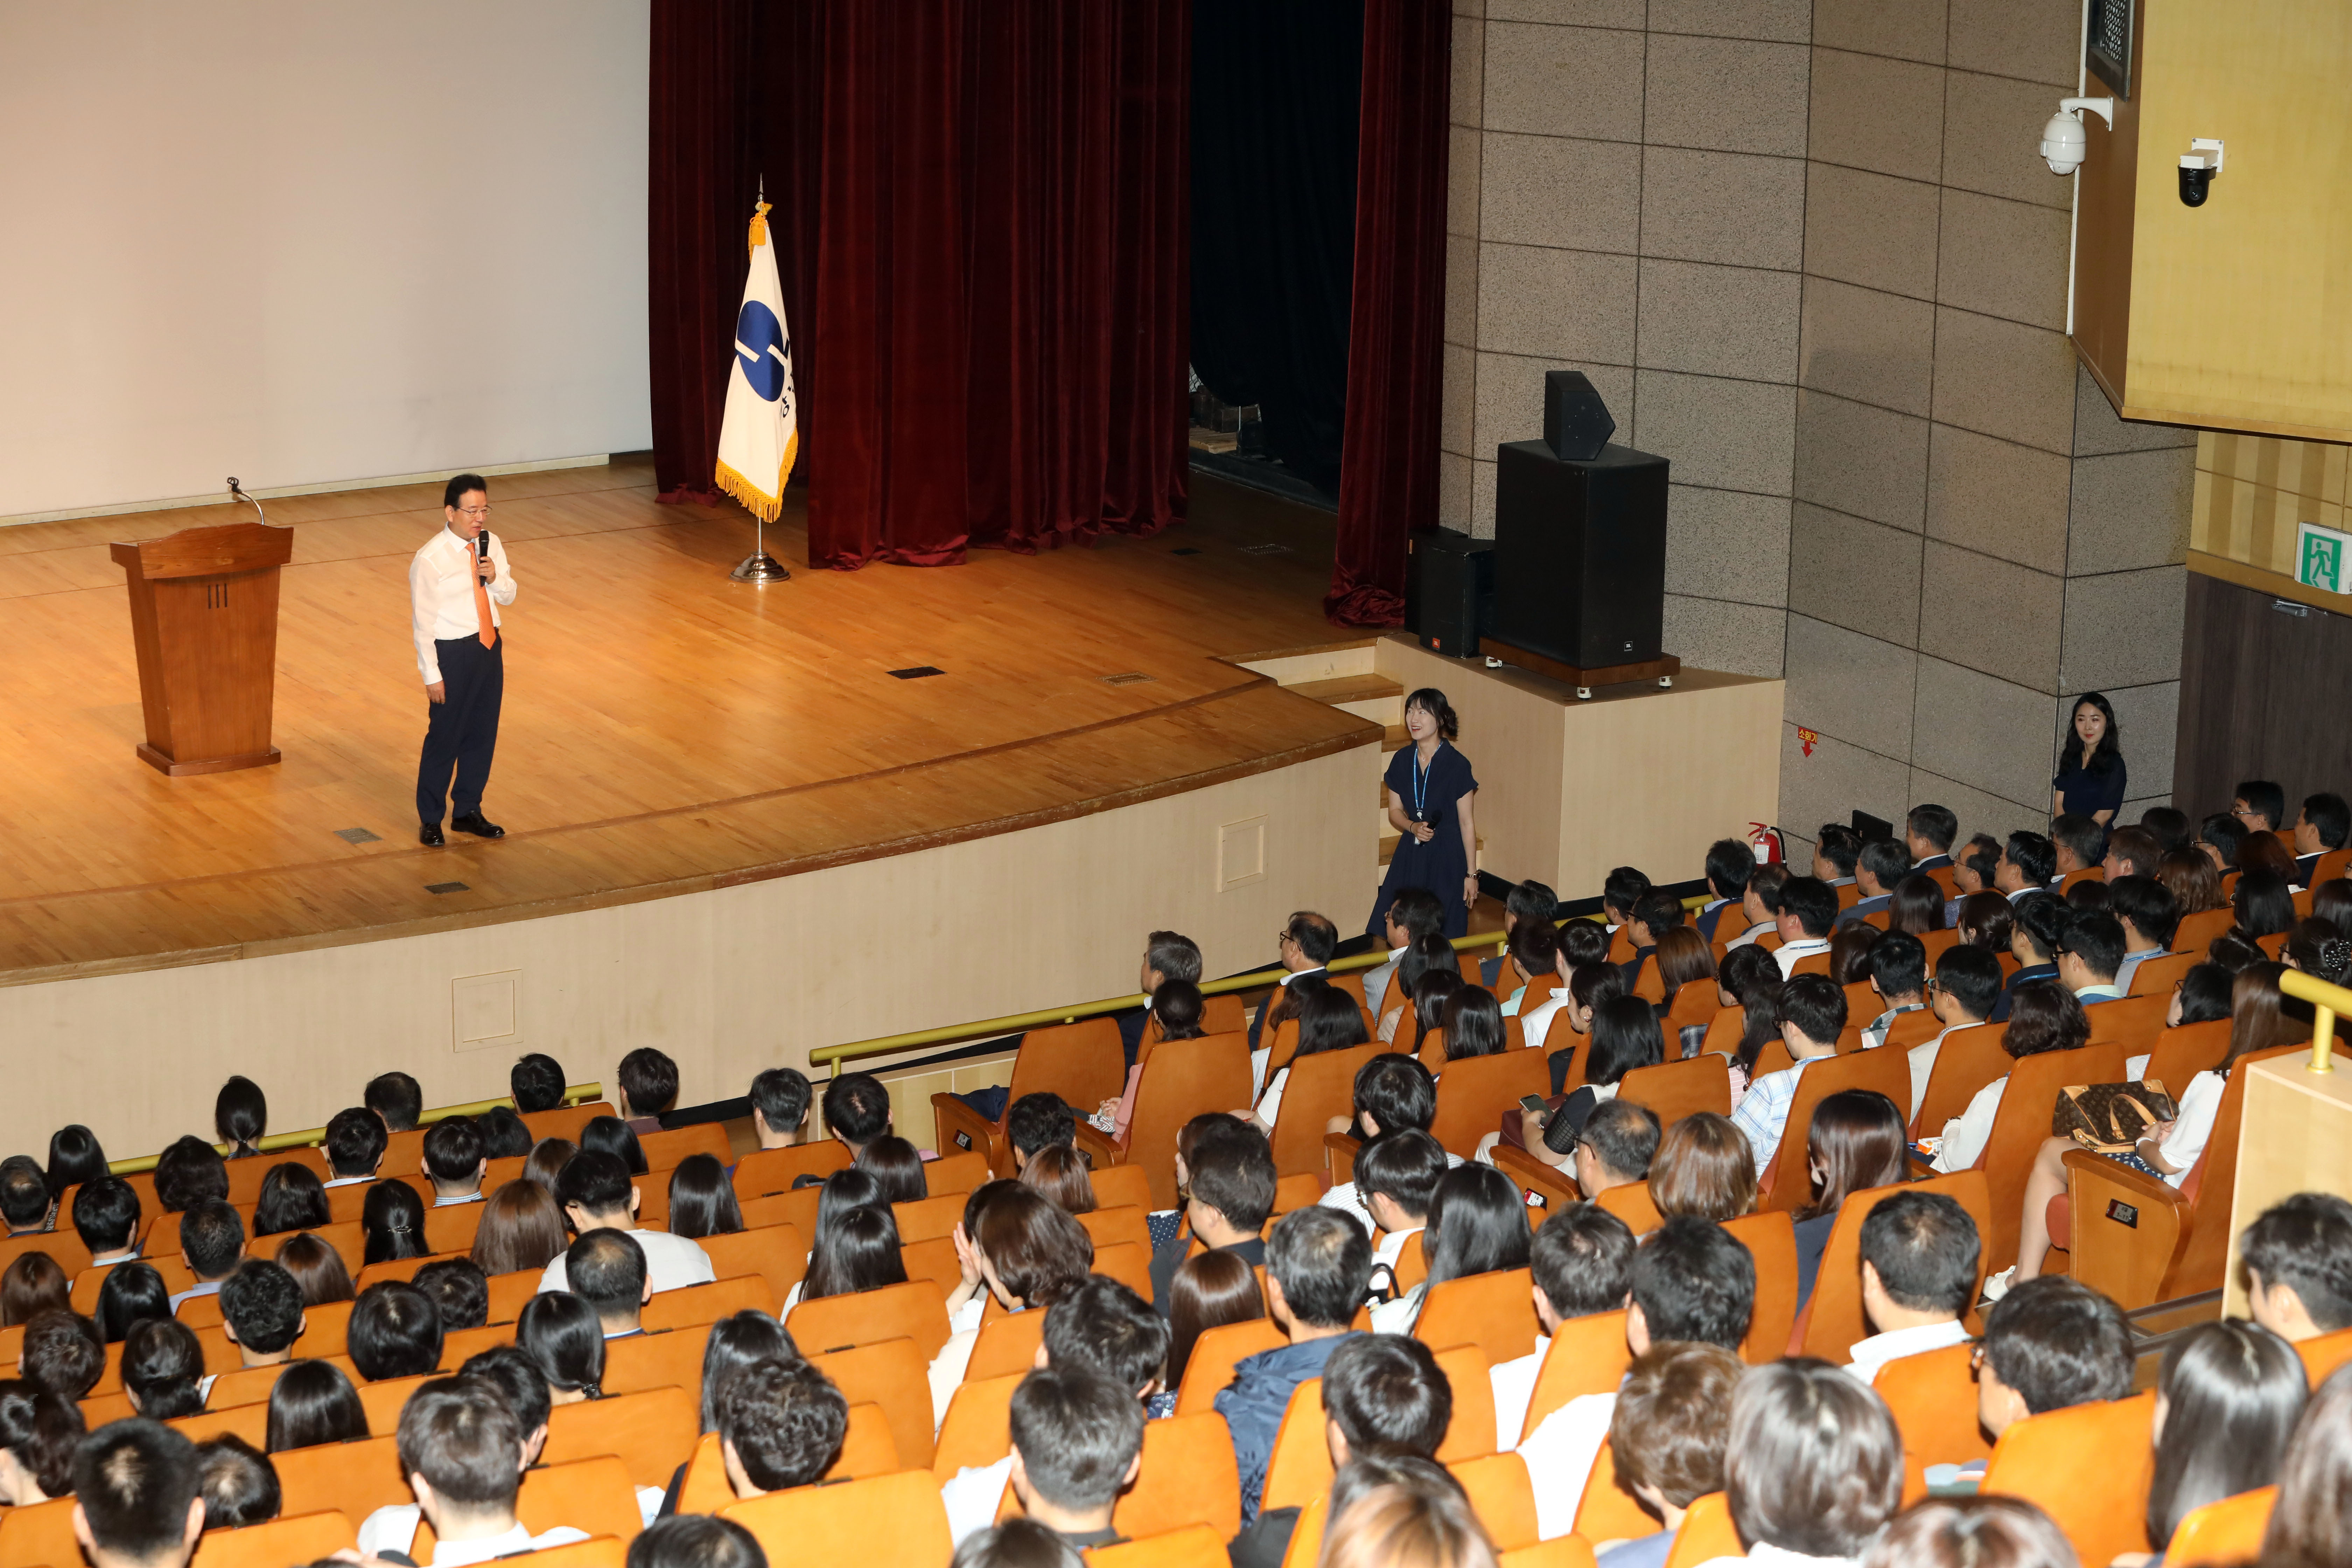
<point>1429,792</point>
<point>2091,774</point>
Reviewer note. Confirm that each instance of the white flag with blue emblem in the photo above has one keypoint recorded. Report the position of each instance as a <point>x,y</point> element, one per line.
<point>760,434</point>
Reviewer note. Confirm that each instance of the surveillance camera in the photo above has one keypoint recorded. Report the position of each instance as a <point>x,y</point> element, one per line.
<point>2064,139</point>
<point>2198,168</point>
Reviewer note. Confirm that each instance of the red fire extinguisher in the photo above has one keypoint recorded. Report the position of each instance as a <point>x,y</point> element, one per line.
<point>1766,842</point>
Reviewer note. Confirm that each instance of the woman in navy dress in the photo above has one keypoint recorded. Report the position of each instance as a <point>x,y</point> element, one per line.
<point>1430,789</point>
<point>2090,781</point>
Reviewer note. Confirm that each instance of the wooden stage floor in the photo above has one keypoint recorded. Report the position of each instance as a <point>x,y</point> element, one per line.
<point>665,729</point>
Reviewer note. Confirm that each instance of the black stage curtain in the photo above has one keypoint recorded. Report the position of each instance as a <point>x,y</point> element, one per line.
<point>1276,91</point>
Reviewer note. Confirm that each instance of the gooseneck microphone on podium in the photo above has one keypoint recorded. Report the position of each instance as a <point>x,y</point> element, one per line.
<point>236,494</point>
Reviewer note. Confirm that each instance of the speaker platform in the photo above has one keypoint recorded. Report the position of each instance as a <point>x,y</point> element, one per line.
<point>1662,669</point>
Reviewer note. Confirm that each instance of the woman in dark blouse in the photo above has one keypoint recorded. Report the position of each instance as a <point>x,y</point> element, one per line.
<point>1430,791</point>
<point>2090,781</point>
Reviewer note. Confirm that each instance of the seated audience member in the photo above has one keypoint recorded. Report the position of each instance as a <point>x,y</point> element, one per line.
<point>1750,981</point>
<point>2308,1522</point>
<point>648,1081</point>
<point>2191,879</point>
<point>1729,864</point>
<point>2299,1261</point>
<point>2263,903</point>
<point>1705,1169</point>
<point>855,1246</point>
<point>1850,952</point>
<point>536,1080</point>
<point>2045,1017</point>
<point>2321,827</point>
<point>597,1194</point>
<point>1175,1014</point>
<point>1230,1195</point>
<point>392,1224</point>
<point>1038,1122</point>
<point>212,1242</point>
<point>1167,955</point>
<point>1808,911</point>
<point>780,1106</point>
<point>1760,906</point>
<point>1690,1280</point>
<point>702,1198</point>
<point>163,1370</point>
<point>1919,1258</point>
<point>261,1312</point>
<point>607,1268</point>
<point>1898,974</point>
<point>1590,987</point>
<point>1063,1175</point>
<point>2028,864</point>
<point>26,1204</point>
<point>106,1218</point>
<point>1985,920</point>
<point>1918,907</point>
<point>2131,852</point>
<point>395,1332</point>
<point>1928,832</point>
<point>1382,1393</point>
<point>137,1502</point>
<point>312,1403</point>
<point>1019,1542</point>
<point>1855,1144</point>
<point>38,1434</point>
<point>456,1161</point>
<point>857,1110</point>
<point>1078,1441</point>
<point>1397,1176</point>
<point>2077,842</point>
<point>1533,960</point>
<point>1837,850</point>
<point>1017,1247</point>
<point>62,1353</point>
<point>1683,959</point>
<point>1625,1036</point>
<point>736,1341</point>
<point>1392,1093</point>
<point>1653,914</point>
<point>459,1290</point>
<point>1388,1510</point>
<point>2260,806</point>
<point>1478,1224</point>
<point>522,1228</point>
<point>238,1483</point>
<point>2171,1150</point>
<point>1812,1467</point>
<point>354,1148</point>
<point>1328,1020</point>
<point>2091,954</point>
<point>32,1285</point>
<point>610,1135</point>
<point>129,1293</point>
<point>2218,838</point>
<point>2049,1343</point>
<point>1579,1260</point>
<point>1883,864</point>
<point>1473,1024</point>
<point>1970,1532</point>
<point>396,1100</point>
<point>188,1172</point>
<point>461,1447</point>
<point>780,1425</point>
<point>1319,1266</point>
<point>2149,916</point>
<point>1966,990</point>
<point>1304,949</point>
<point>1427,977</point>
<point>2037,931</point>
<point>318,1268</point>
<point>1811,1015</point>
<point>519,1378</point>
<point>1209,1291</point>
<point>75,1157</point>
<point>292,1198</point>
<point>1528,901</point>
<point>1620,891</point>
<point>2228,1396</point>
<point>1615,1149</point>
<point>1667,1436</point>
<point>240,1117</point>
<point>2169,827</point>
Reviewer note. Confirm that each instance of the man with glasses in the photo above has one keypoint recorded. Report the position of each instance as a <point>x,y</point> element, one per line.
<point>1304,947</point>
<point>457,580</point>
<point>2259,804</point>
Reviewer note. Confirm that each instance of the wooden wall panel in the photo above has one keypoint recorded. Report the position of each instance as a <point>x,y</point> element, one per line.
<point>2261,697</point>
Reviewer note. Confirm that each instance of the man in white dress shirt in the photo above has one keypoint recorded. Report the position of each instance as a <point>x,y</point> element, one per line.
<point>1919,1253</point>
<point>597,1194</point>
<point>462,1448</point>
<point>137,1502</point>
<point>1413,913</point>
<point>453,594</point>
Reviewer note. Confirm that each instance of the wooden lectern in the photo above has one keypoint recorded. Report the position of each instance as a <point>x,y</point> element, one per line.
<point>203,616</point>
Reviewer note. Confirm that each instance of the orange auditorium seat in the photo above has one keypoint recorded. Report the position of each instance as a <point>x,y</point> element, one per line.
<point>1608,1512</point>
<point>2088,1467</point>
<point>403,1269</point>
<point>1635,1206</point>
<point>592,1494</point>
<point>777,1253</point>
<point>1551,1186</point>
<point>383,1399</point>
<point>252,1385</point>
<point>766,1171</point>
<point>892,1519</point>
<point>1495,1311</point>
<point>671,1359</point>
<point>652,1432</point>
<point>403,1155</point>
<point>1501,1495</point>
<point>1321,1087</point>
<point>2182,1053</point>
<point>796,1208</point>
<point>669,1149</point>
<point>305,1538</point>
<point>1934,1398</point>
<point>956,1172</point>
<point>246,1177</point>
<point>597,1552</point>
<point>1473,1094</point>
<point>41,1533</point>
<point>450,1227</point>
<point>1772,1241</point>
<point>1832,1321</point>
<point>1209,1074</point>
<point>1675,1089</point>
<point>1007,1344</point>
<point>1194,1546</point>
<point>1115,1226</point>
<point>357,1477</point>
<point>64,1246</point>
<point>344,1235</point>
<point>891,1375</point>
<point>1560,1552</point>
<point>1122,1186</point>
<point>929,1218</point>
<point>978,1428</point>
<point>2022,1125</point>
<point>1785,1185</point>
<point>2157,976</point>
<point>1083,1062</point>
<point>694,1306</point>
<point>1588,1355</point>
<point>1969,1060</point>
<point>250,1422</point>
<point>1188,1476</point>
<point>1706,1533</point>
<point>509,1293</point>
<point>1214,1355</point>
<point>1128,1262</point>
<point>2322,1355</point>
<point>566,1121</point>
<point>2227,1531</point>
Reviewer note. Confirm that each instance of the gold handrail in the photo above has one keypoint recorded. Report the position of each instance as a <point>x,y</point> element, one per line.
<point>573,1094</point>
<point>1013,1023</point>
<point>2327,1001</point>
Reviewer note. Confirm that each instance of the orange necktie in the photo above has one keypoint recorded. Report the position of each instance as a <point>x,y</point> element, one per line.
<point>489,631</point>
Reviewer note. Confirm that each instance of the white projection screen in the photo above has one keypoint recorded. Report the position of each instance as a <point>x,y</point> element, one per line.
<point>312,242</point>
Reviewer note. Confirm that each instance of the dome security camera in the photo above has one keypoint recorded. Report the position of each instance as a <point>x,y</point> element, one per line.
<point>2064,139</point>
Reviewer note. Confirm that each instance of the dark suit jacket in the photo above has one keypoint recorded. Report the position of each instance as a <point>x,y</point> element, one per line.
<point>2305,865</point>
<point>1867,907</point>
<point>1709,919</point>
<point>2023,977</point>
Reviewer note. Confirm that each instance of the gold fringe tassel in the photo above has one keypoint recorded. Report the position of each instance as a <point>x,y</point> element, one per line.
<point>756,501</point>
<point>760,225</point>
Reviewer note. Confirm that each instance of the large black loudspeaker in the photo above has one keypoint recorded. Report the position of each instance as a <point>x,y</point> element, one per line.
<point>1579,542</point>
<point>1449,590</point>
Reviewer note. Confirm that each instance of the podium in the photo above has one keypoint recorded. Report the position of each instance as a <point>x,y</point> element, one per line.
<point>203,617</point>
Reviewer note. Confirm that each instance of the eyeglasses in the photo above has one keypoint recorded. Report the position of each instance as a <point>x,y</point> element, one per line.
<point>1976,1359</point>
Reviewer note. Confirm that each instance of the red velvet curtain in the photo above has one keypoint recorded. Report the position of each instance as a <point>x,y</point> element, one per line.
<point>981,218</point>
<point>1396,337</point>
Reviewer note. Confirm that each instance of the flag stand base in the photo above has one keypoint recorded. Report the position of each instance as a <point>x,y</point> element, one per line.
<point>760,567</point>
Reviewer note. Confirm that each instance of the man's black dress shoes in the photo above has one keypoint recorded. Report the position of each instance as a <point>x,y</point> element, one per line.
<point>430,834</point>
<point>478,825</point>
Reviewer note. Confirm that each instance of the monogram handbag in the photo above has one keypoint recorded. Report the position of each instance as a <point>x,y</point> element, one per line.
<point>2111,1118</point>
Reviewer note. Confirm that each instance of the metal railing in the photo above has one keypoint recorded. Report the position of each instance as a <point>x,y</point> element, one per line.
<point>573,1094</point>
<point>2327,1001</point>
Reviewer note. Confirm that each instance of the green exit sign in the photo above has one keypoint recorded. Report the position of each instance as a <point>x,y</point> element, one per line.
<point>2319,558</point>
